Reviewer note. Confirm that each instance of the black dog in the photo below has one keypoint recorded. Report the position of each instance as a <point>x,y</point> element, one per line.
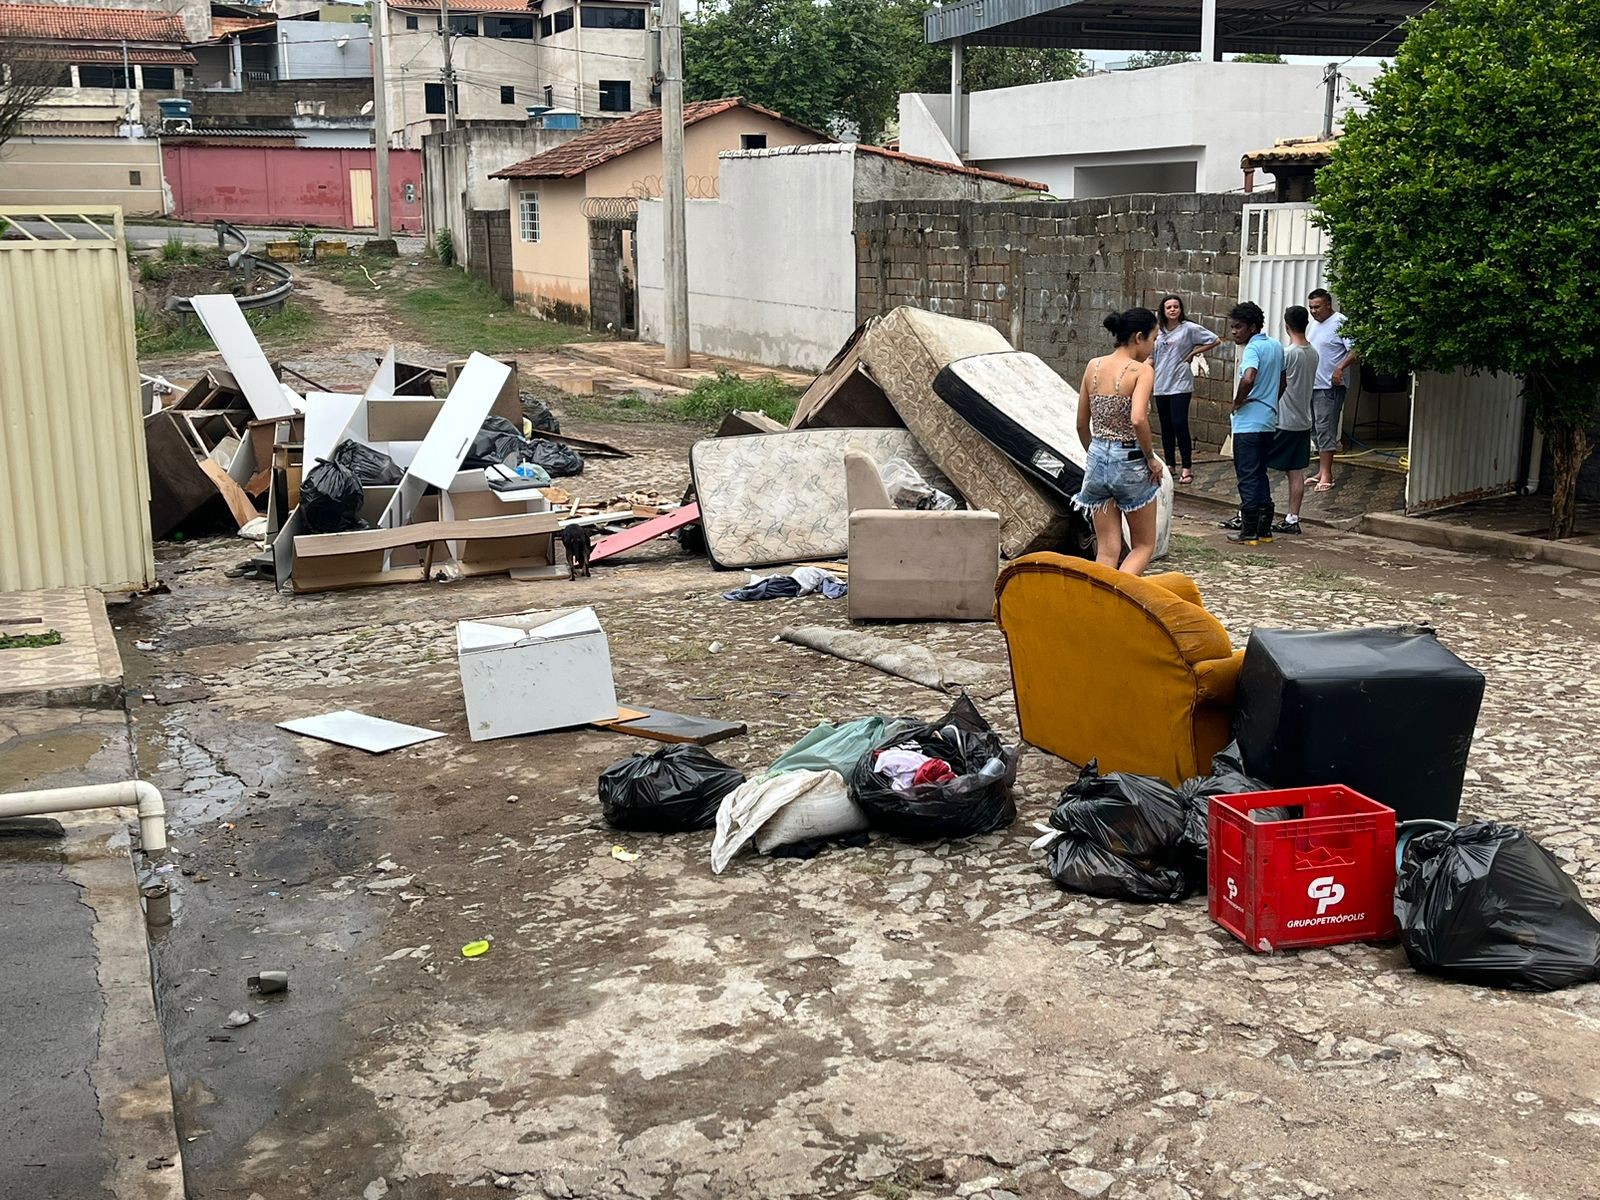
<point>577,542</point>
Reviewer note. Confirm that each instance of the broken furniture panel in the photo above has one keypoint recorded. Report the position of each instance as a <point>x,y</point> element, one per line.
<point>533,671</point>
<point>372,734</point>
<point>844,395</point>
<point>645,531</point>
<point>780,497</point>
<point>406,554</point>
<point>508,403</point>
<point>658,725</point>
<point>236,342</point>
<point>328,415</point>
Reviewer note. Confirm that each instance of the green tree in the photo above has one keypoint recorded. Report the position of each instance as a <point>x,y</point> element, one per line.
<point>841,65</point>
<point>775,53</point>
<point>1258,58</point>
<point>1159,58</point>
<point>1462,216</point>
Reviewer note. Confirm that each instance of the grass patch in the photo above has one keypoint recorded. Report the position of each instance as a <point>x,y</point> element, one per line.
<point>1191,549</point>
<point>1331,581</point>
<point>628,408</point>
<point>446,308</point>
<point>160,332</point>
<point>30,641</point>
<point>714,397</point>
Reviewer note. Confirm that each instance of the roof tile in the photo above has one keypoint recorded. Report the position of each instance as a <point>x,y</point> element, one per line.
<point>589,150</point>
<point>60,22</point>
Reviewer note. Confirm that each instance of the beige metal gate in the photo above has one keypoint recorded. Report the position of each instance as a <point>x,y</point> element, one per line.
<point>361,199</point>
<point>74,492</point>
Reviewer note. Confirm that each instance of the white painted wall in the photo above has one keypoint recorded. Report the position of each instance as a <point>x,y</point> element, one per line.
<point>311,50</point>
<point>1132,130</point>
<point>772,271</point>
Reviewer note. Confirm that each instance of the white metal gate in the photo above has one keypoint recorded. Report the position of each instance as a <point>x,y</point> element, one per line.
<point>1281,258</point>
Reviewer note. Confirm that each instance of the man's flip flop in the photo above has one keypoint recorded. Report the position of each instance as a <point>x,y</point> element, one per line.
<point>1324,487</point>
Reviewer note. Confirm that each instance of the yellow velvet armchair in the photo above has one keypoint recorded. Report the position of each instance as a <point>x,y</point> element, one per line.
<point>1131,671</point>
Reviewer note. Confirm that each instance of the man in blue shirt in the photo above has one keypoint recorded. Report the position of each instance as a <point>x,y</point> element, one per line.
<point>1255,420</point>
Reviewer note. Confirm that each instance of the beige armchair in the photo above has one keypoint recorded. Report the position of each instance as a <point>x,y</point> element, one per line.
<point>912,566</point>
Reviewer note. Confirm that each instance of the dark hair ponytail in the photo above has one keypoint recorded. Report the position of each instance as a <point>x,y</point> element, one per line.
<point>1129,323</point>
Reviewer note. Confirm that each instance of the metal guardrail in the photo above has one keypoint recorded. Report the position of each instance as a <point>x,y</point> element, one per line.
<point>244,261</point>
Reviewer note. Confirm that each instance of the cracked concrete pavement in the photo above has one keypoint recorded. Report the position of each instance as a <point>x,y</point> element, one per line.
<point>895,1021</point>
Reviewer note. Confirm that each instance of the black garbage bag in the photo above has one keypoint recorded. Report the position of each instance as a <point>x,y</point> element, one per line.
<point>1119,837</point>
<point>371,467</point>
<point>1081,865</point>
<point>677,788</point>
<point>559,460</point>
<point>977,800</point>
<point>330,499</point>
<point>1486,904</point>
<point>539,415</point>
<point>1134,816</point>
<point>498,444</point>
<point>1228,778</point>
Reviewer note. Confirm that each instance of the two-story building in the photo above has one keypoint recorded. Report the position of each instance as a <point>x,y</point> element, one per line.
<point>588,58</point>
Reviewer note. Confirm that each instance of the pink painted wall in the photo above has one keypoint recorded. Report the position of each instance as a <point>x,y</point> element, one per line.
<point>284,185</point>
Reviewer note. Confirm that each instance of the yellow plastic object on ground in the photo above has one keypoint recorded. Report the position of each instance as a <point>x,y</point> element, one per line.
<point>475,949</point>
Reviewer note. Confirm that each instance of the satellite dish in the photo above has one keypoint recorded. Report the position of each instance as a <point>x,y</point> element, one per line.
<point>366,109</point>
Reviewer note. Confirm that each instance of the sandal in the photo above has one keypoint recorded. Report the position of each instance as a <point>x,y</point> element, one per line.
<point>1186,476</point>
<point>1324,487</point>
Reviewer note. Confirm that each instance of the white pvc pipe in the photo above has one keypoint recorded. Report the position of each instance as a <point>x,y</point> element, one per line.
<point>132,793</point>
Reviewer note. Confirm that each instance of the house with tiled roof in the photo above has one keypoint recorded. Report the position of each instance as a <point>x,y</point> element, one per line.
<point>616,164</point>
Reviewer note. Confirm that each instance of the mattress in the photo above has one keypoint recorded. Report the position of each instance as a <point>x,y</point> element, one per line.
<point>1022,408</point>
<point>775,498</point>
<point>903,351</point>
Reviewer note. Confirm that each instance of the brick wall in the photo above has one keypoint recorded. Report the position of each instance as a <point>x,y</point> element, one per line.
<point>343,97</point>
<point>1045,273</point>
<point>608,304</point>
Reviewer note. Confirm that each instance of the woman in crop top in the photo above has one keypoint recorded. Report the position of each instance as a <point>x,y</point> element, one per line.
<point>1123,475</point>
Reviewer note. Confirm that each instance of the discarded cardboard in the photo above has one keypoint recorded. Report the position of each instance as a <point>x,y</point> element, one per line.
<point>658,725</point>
<point>367,558</point>
<point>236,342</point>
<point>780,497</point>
<point>533,671</point>
<point>372,734</point>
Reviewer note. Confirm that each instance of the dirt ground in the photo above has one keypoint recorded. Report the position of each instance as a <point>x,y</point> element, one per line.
<point>891,1021</point>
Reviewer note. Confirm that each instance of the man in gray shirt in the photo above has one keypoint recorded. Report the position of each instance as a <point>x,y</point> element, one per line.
<point>1291,445</point>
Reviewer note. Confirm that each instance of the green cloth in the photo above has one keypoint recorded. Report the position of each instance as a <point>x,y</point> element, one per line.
<point>831,747</point>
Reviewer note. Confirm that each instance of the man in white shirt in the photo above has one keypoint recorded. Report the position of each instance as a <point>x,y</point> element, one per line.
<point>1335,356</point>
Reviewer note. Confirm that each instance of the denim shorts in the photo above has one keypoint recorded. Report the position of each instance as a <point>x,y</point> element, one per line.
<point>1112,477</point>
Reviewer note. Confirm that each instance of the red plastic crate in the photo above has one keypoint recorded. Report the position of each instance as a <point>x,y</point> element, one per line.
<point>1322,879</point>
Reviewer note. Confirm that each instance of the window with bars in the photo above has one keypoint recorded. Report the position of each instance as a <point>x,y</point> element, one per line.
<point>528,216</point>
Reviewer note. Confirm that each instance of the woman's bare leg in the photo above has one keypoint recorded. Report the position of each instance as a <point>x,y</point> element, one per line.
<point>1108,536</point>
<point>1142,531</point>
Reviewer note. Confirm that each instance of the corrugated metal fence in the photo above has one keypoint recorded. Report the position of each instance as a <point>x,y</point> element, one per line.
<point>74,492</point>
<point>1466,438</point>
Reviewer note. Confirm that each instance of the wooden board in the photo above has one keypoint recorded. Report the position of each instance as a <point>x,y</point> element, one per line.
<point>238,503</point>
<point>647,531</point>
<point>677,728</point>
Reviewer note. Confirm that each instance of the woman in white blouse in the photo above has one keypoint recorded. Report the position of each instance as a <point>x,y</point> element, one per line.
<point>1178,343</point>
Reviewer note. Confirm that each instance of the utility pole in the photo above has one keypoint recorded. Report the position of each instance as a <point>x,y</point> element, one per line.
<point>676,256</point>
<point>1330,77</point>
<point>380,120</point>
<point>449,70</point>
<point>130,105</point>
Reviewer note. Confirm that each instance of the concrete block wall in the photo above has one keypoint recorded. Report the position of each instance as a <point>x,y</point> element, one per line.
<point>1045,273</point>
